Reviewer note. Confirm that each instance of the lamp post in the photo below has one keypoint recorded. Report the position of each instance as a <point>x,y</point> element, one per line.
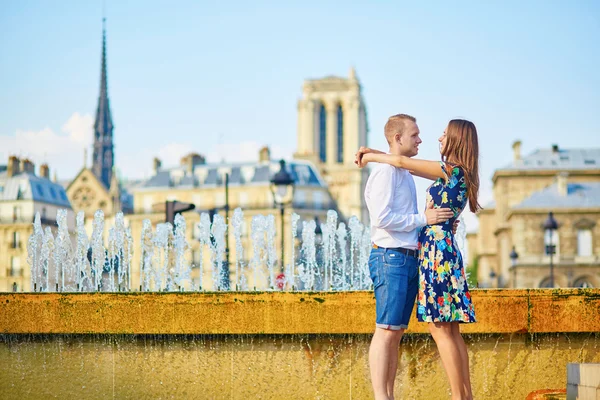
<point>282,187</point>
<point>513,259</point>
<point>226,271</point>
<point>550,227</point>
<point>493,276</point>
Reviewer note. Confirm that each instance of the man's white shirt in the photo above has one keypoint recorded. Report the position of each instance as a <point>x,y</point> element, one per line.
<point>391,198</point>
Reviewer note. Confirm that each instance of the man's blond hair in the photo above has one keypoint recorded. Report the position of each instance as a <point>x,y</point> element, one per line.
<point>396,124</point>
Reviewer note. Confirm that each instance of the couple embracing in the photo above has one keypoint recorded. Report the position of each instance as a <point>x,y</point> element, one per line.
<point>414,254</point>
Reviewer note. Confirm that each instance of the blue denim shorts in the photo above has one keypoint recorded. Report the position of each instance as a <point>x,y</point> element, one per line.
<point>395,279</point>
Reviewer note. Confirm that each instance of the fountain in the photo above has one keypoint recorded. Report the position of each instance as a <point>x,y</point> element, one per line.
<point>164,258</point>
<point>89,330</point>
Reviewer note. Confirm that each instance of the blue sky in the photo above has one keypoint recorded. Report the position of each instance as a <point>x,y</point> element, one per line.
<point>223,78</point>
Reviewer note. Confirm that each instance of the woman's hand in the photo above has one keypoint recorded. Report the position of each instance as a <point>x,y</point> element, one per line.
<point>360,160</point>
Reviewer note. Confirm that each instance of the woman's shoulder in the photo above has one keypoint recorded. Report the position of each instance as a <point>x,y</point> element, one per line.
<point>452,170</point>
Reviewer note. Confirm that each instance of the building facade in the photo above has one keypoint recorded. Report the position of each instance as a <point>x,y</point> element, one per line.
<point>22,195</point>
<point>203,185</point>
<point>332,125</point>
<point>565,182</point>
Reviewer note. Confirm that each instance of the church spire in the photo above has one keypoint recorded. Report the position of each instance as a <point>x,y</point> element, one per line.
<point>103,127</point>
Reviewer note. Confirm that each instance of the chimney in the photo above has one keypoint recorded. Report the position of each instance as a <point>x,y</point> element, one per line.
<point>264,155</point>
<point>555,148</point>
<point>516,150</point>
<point>13,167</point>
<point>156,164</point>
<point>45,171</point>
<point>191,160</point>
<point>27,166</point>
<point>562,182</point>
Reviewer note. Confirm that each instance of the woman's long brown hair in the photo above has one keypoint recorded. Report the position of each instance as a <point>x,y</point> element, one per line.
<point>462,150</point>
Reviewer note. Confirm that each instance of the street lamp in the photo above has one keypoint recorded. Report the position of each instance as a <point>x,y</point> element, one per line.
<point>493,276</point>
<point>318,230</point>
<point>282,187</point>
<point>550,226</point>
<point>513,259</point>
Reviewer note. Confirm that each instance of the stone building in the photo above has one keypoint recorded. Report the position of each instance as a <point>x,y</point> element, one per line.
<point>563,181</point>
<point>196,182</point>
<point>332,125</point>
<point>22,195</point>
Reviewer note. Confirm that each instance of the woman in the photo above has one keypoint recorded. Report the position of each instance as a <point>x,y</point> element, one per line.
<point>444,300</point>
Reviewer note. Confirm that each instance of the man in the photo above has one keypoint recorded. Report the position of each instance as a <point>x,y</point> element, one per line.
<point>391,199</point>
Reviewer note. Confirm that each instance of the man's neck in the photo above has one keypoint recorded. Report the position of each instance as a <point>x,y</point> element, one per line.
<point>399,153</point>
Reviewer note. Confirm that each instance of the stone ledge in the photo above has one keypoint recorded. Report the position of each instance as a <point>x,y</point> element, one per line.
<point>498,311</point>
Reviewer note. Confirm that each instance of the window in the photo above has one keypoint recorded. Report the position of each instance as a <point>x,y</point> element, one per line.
<point>322,134</point>
<point>197,200</point>
<point>15,266</point>
<point>583,282</point>
<point>317,199</point>
<point>16,240</point>
<point>148,201</point>
<point>584,242</point>
<point>340,134</point>
<point>546,283</point>
<point>44,213</point>
<point>196,259</point>
<point>16,213</point>
<point>299,198</point>
<point>243,200</point>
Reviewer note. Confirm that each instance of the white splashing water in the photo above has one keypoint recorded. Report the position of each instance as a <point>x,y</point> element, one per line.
<point>164,264</point>
<point>356,229</point>
<point>218,251</point>
<point>98,251</point>
<point>342,281</point>
<point>258,246</point>
<point>34,247</point>
<point>81,256</point>
<point>238,227</point>
<point>271,249</point>
<point>160,266</point>
<point>204,239</point>
<point>147,246</point>
<point>291,270</point>
<point>46,258</point>
<point>308,268</point>
<point>182,268</point>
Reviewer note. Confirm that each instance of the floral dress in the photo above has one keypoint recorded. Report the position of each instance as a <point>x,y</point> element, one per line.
<point>443,292</point>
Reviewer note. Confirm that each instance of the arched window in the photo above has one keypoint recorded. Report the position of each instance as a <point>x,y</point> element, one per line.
<point>583,282</point>
<point>340,134</point>
<point>322,133</point>
<point>546,283</point>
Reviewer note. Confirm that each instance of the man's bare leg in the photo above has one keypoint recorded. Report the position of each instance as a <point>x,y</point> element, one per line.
<point>381,359</point>
<point>393,364</point>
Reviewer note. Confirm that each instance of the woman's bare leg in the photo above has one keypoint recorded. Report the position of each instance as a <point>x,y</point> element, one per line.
<point>450,354</point>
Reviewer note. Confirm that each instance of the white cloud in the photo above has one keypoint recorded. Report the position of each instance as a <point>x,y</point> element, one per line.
<point>62,151</point>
